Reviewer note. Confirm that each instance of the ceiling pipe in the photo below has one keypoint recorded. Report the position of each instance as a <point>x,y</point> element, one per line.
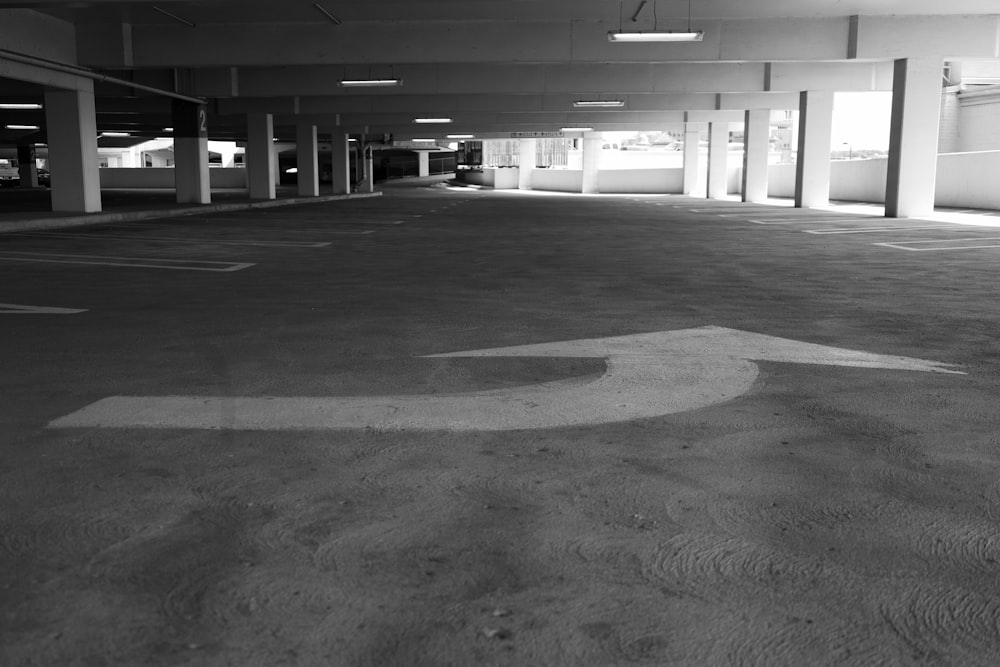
<point>91,74</point>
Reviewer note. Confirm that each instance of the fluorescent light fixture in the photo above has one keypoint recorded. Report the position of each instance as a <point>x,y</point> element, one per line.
<point>460,136</point>
<point>577,129</point>
<point>116,134</point>
<point>354,140</point>
<point>370,83</point>
<point>424,141</point>
<point>168,129</point>
<point>431,120</point>
<point>18,105</point>
<point>326,12</point>
<point>586,104</point>
<point>668,36</point>
<point>292,170</point>
<point>22,127</point>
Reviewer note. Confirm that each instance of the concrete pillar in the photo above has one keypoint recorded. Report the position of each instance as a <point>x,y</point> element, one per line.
<point>191,181</point>
<point>73,160</point>
<point>812,166</point>
<point>307,159</point>
<point>423,163</point>
<point>913,137</point>
<point>368,160</point>
<point>340,169</point>
<point>692,135</point>
<point>592,142</point>
<point>718,158</point>
<point>27,170</point>
<point>260,155</point>
<point>526,162</point>
<point>756,133</point>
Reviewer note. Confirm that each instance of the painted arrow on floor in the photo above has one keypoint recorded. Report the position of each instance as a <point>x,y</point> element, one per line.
<point>17,309</point>
<point>648,375</point>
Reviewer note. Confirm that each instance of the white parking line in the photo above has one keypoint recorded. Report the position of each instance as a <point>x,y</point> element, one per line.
<point>175,239</point>
<point>871,230</point>
<point>800,221</point>
<point>136,262</point>
<point>906,245</point>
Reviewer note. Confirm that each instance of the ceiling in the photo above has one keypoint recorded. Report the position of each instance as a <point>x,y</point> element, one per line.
<point>490,65</point>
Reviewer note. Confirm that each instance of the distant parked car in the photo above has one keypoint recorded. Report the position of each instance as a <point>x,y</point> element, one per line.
<point>43,178</point>
<point>9,177</point>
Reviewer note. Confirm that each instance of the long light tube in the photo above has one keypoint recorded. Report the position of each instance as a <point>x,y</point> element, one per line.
<point>22,127</point>
<point>428,121</point>
<point>18,105</point>
<point>669,36</point>
<point>370,83</point>
<point>598,103</point>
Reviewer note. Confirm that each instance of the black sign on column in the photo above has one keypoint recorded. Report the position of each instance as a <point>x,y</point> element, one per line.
<point>190,119</point>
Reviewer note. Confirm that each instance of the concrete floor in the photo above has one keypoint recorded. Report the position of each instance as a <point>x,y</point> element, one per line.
<point>815,514</point>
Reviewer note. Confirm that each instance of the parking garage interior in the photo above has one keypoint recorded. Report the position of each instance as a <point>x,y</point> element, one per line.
<point>344,334</point>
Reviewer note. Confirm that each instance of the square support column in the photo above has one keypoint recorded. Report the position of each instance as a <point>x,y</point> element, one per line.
<point>191,179</point>
<point>340,154</point>
<point>526,162</point>
<point>27,169</point>
<point>423,163</point>
<point>756,133</point>
<point>73,161</point>
<point>591,162</point>
<point>812,167</point>
<point>913,137</point>
<point>260,155</point>
<point>307,154</point>
<point>718,158</point>
<point>692,136</point>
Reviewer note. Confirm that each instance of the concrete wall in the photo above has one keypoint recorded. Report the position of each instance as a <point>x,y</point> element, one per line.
<point>164,178</point>
<point>978,126</point>
<point>557,180</point>
<point>968,180</point>
<point>964,180</point>
<point>639,181</point>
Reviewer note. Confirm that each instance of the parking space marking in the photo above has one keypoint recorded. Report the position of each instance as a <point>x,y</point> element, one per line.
<point>871,230</point>
<point>19,309</point>
<point>799,221</point>
<point>907,245</point>
<point>175,239</point>
<point>134,262</point>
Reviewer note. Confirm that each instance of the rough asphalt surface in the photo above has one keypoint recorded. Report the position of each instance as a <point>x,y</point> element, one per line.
<point>827,516</point>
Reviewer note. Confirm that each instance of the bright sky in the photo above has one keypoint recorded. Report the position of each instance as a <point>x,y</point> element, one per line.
<point>861,120</point>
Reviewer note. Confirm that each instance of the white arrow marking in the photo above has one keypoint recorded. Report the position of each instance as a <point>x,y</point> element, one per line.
<point>648,375</point>
<point>17,309</point>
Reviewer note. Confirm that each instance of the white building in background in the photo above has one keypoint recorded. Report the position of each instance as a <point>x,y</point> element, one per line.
<point>970,107</point>
<point>159,153</point>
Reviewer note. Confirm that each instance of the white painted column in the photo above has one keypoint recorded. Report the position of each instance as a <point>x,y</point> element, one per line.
<point>913,137</point>
<point>340,154</point>
<point>756,133</point>
<point>692,135</point>
<point>73,160</point>
<point>525,162</point>
<point>592,142</point>
<point>307,154</point>
<point>191,179</point>
<point>718,158</point>
<point>812,166</point>
<point>423,163</point>
<point>260,155</point>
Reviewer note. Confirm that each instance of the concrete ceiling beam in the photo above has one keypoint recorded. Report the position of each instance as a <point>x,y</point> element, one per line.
<point>541,41</point>
<point>908,36</point>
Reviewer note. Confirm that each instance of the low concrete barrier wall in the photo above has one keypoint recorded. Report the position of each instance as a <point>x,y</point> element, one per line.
<point>641,181</point>
<point>163,177</point>
<point>964,180</point>
<point>557,180</point>
<point>968,180</point>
